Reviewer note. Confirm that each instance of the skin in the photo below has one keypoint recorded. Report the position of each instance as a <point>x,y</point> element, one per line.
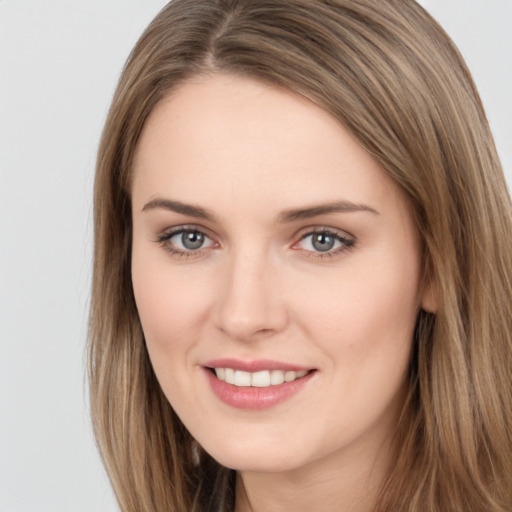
<point>259,289</point>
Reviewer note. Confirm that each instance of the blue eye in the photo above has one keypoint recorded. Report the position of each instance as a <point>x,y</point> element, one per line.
<point>185,241</point>
<point>190,240</point>
<point>324,241</point>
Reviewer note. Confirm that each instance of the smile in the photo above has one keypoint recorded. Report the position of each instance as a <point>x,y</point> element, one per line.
<point>260,379</point>
<point>256,385</point>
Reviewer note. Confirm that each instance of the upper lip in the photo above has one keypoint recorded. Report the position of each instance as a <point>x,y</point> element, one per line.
<point>254,366</point>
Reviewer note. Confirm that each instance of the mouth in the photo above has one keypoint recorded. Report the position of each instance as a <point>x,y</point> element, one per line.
<point>256,385</point>
<point>259,379</point>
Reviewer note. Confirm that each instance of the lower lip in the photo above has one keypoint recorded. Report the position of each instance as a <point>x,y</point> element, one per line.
<point>252,398</point>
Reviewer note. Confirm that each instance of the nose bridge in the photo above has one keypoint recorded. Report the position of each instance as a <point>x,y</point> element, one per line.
<point>250,302</point>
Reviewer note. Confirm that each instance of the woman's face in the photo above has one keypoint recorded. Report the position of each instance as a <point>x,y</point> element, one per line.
<point>271,249</point>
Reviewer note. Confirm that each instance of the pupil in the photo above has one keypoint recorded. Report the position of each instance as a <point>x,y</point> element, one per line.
<point>323,242</point>
<point>192,240</point>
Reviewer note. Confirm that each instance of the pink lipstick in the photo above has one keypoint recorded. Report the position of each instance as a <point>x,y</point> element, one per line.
<point>255,385</point>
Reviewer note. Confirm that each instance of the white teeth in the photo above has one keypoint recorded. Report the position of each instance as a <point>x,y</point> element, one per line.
<point>261,379</point>
<point>242,379</point>
<point>276,377</point>
<point>229,375</point>
<point>289,376</point>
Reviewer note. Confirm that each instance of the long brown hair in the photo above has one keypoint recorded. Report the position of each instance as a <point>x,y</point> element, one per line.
<point>393,78</point>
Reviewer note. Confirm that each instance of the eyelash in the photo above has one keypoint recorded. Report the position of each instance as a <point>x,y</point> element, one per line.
<point>345,242</point>
<point>164,240</point>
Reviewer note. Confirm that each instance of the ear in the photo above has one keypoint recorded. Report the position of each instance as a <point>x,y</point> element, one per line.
<point>429,295</point>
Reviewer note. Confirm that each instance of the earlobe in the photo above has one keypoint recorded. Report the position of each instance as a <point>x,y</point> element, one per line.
<point>429,296</point>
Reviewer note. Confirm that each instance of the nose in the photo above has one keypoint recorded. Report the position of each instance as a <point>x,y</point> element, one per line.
<point>250,302</point>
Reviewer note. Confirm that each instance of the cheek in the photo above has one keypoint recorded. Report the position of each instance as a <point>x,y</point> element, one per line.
<point>172,311</point>
<point>171,307</point>
<point>367,313</point>
<point>365,326</point>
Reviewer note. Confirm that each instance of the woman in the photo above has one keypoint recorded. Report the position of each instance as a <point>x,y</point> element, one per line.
<point>303,266</point>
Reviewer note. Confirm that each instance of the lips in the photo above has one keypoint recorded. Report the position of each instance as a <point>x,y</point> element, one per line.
<point>255,385</point>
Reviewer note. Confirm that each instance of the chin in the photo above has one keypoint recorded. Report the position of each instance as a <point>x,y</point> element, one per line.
<point>257,463</point>
<point>260,455</point>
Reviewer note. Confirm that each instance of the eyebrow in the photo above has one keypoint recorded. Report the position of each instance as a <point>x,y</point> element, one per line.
<point>295,214</point>
<point>288,215</point>
<point>178,207</point>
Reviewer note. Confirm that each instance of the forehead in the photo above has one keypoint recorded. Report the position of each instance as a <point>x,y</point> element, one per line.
<point>241,139</point>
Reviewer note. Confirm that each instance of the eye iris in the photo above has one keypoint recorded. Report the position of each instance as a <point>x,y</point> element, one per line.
<point>192,240</point>
<point>323,242</point>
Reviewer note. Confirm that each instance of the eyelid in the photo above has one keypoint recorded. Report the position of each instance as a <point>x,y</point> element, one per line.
<point>173,230</point>
<point>321,228</point>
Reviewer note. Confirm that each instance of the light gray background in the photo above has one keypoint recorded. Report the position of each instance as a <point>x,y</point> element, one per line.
<point>59,63</point>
